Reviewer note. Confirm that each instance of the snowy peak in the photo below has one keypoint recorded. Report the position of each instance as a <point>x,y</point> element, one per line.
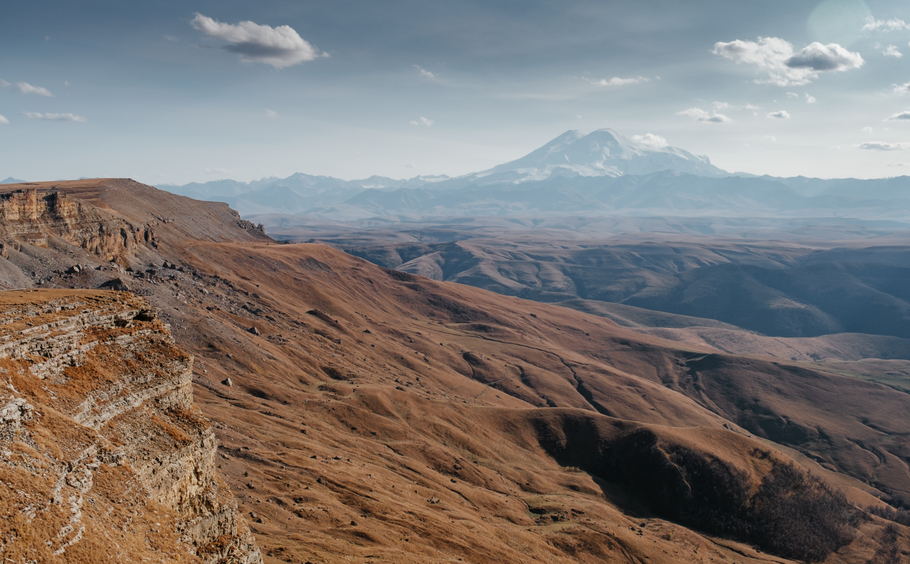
<point>600,153</point>
<point>534,159</point>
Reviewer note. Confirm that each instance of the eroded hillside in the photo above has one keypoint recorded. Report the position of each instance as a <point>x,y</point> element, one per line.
<point>105,456</point>
<point>370,415</point>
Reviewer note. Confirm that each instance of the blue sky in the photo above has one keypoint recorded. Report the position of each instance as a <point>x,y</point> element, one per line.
<point>195,91</point>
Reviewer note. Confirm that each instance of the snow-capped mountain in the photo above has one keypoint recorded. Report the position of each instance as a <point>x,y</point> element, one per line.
<point>601,153</point>
<point>601,173</point>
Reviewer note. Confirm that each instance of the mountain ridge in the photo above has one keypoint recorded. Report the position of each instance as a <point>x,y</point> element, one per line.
<point>599,173</point>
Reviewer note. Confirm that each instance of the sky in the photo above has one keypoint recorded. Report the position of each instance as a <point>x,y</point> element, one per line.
<point>183,91</point>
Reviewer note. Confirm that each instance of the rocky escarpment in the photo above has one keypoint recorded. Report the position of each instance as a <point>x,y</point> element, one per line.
<point>32,216</point>
<point>102,451</point>
<point>86,233</point>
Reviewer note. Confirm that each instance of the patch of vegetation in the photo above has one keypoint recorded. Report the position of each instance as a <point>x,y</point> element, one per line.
<point>797,515</point>
<point>899,516</point>
<point>791,514</point>
<point>889,550</point>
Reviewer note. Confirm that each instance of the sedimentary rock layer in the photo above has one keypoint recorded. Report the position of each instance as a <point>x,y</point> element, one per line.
<point>102,452</point>
<point>31,216</point>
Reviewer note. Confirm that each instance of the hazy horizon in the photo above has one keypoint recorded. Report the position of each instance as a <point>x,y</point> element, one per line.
<point>177,93</point>
<point>405,177</point>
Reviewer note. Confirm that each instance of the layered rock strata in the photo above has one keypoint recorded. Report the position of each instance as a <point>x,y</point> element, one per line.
<point>31,216</point>
<point>102,452</point>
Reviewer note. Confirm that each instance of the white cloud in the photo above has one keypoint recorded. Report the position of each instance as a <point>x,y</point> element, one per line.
<point>768,52</point>
<point>905,115</point>
<point>784,67</point>
<point>830,57</point>
<point>424,73</point>
<point>770,138</point>
<point>617,81</point>
<point>891,51</point>
<point>898,164</point>
<point>271,113</point>
<point>753,109</point>
<point>792,95</point>
<point>171,38</point>
<point>54,117</point>
<point>780,114</point>
<point>883,146</point>
<point>810,99</point>
<point>277,46</point>
<point>866,129</point>
<point>422,121</point>
<point>4,121</point>
<point>699,114</point>
<point>218,171</point>
<point>650,140</point>
<point>26,88</point>
<point>893,24</point>
<point>728,106</point>
<point>410,165</point>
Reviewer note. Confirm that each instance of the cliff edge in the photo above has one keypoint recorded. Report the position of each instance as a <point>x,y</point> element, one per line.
<point>103,454</point>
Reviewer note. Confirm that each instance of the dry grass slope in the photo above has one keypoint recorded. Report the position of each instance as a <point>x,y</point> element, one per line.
<point>379,416</point>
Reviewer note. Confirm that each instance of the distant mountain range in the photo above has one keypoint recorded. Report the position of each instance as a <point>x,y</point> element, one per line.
<point>602,173</point>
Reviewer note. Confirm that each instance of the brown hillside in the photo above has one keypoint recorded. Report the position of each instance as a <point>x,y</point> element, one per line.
<point>369,415</point>
<point>767,283</point>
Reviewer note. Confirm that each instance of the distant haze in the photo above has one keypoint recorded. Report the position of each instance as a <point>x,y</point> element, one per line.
<point>599,174</point>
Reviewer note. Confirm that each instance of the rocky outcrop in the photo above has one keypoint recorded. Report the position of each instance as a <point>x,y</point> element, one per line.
<point>32,217</point>
<point>102,451</point>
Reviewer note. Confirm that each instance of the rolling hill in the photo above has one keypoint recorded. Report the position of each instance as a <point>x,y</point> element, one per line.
<point>367,414</point>
<point>777,288</point>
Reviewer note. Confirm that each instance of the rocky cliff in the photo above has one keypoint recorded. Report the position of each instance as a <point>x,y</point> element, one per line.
<point>50,230</point>
<point>30,216</point>
<point>102,452</point>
